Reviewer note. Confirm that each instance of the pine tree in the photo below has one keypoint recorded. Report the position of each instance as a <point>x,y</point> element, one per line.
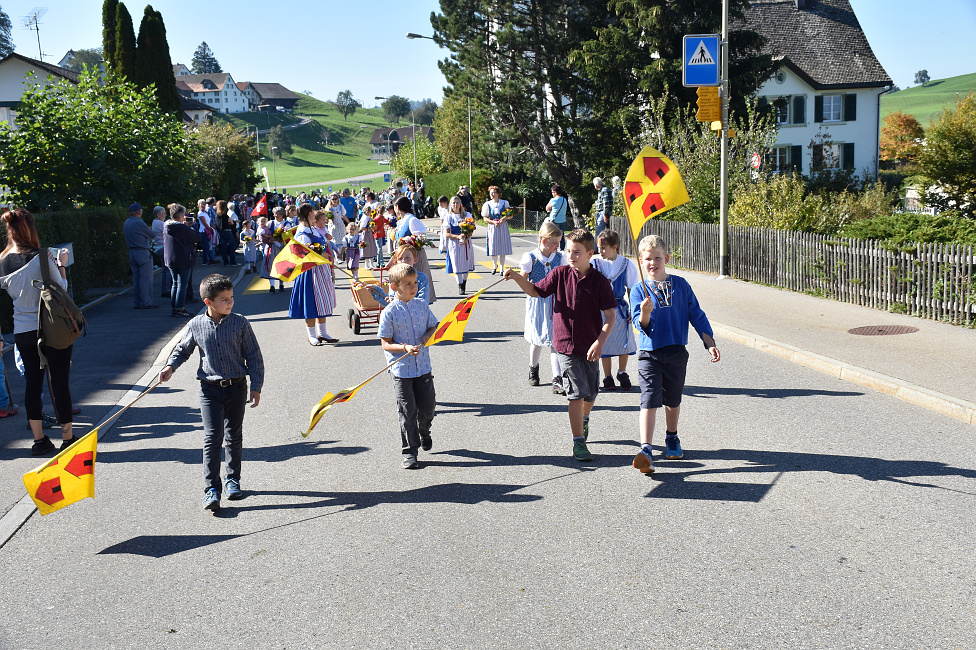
<point>152,64</point>
<point>108,33</point>
<point>204,61</point>
<point>6,43</point>
<point>124,61</point>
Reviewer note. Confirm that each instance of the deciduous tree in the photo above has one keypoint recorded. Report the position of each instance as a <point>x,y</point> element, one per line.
<point>428,160</point>
<point>94,144</point>
<point>947,163</point>
<point>345,104</point>
<point>223,161</point>
<point>278,138</point>
<point>901,137</point>
<point>922,77</point>
<point>425,113</point>
<point>395,107</point>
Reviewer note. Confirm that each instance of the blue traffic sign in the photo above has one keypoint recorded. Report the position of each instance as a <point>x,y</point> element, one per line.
<point>700,60</point>
<point>386,178</point>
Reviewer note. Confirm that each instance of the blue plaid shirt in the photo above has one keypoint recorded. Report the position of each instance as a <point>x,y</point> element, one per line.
<point>407,322</point>
<point>228,349</point>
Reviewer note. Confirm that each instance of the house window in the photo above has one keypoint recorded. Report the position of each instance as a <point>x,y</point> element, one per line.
<point>832,106</point>
<point>779,159</point>
<point>826,157</point>
<point>782,106</point>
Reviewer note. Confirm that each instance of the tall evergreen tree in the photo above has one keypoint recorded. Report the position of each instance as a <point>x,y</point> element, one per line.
<point>109,9</point>
<point>152,64</point>
<point>6,42</point>
<point>124,61</point>
<point>204,61</point>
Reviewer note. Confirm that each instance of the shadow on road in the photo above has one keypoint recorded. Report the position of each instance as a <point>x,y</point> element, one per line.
<point>678,481</point>
<point>484,410</point>
<point>772,393</point>
<point>273,454</point>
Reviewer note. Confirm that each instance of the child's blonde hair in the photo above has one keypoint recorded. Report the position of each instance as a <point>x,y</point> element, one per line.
<point>351,227</point>
<point>401,249</point>
<point>653,242</point>
<point>400,272</point>
<point>262,221</point>
<point>549,230</point>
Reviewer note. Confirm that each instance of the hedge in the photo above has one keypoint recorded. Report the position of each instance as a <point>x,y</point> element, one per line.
<point>101,258</point>
<point>447,184</point>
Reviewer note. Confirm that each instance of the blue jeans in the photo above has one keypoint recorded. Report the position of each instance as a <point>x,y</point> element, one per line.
<point>167,275</point>
<point>228,246</point>
<point>222,408</point>
<point>181,281</point>
<point>562,242</point>
<point>140,261</point>
<point>4,394</point>
<point>208,252</point>
<point>600,227</point>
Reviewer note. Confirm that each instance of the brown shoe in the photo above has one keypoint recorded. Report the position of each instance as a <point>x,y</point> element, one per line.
<point>643,463</point>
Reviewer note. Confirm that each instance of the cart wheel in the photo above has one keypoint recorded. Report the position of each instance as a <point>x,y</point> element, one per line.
<point>356,323</point>
<point>349,316</point>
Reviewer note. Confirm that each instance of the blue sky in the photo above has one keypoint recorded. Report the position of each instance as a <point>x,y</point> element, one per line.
<point>327,46</point>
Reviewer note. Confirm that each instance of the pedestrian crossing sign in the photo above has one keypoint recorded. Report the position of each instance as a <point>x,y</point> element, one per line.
<point>700,61</point>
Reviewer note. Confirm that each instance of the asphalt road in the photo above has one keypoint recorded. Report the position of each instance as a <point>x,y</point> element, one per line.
<point>808,513</point>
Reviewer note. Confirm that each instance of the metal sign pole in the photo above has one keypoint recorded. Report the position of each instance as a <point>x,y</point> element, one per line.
<point>724,199</point>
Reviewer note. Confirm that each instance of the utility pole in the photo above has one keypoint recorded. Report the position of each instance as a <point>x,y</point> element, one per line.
<point>723,241</point>
<point>470,173</point>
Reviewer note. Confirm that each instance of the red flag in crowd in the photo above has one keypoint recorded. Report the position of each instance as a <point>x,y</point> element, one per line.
<point>261,209</point>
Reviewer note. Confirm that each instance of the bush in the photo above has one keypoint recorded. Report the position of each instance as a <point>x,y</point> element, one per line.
<point>907,227</point>
<point>893,180</point>
<point>447,184</point>
<point>100,253</point>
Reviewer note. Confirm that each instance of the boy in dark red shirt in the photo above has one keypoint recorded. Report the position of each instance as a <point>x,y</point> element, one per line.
<point>584,311</point>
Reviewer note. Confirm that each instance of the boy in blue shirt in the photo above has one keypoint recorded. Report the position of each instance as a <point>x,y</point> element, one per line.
<point>405,326</point>
<point>661,308</point>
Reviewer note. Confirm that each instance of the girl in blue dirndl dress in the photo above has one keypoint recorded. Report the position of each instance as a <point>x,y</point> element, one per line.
<point>536,265</point>
<point>499,237</point>
<point>313,295</point>
<point>460,250</point>
<point>621,343</point>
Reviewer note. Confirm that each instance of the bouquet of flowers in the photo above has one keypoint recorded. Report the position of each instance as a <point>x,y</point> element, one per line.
<point>248,239</point>
<point>467,227</point>
<point>318,248</point>
<point>279,235</point>
<point>362,245</point>
<point>507,214</point>
<point>418,241</point>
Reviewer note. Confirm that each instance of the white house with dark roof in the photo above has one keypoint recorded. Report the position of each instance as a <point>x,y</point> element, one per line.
<point>13,75</point>
<point>217,90</point>
<point>827,87</point>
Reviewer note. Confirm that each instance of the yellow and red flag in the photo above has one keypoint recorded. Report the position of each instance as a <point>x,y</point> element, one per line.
<point>653,186</point>
<point>328,402</point>
<point>288,235</point>
<point>293,260</point>
<point>261,207</point>
<point>451,327</point>
<point>65,479</point>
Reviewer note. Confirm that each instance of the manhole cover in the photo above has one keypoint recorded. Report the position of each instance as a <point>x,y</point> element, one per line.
<point>882,330</point>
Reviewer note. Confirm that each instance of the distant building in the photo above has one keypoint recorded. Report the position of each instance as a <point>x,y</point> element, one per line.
<point>180,70</point>
<point>272,95</point>
<point>217,90</point>
<point>385,143</point>
<point>193,112</point>
<point>828,82</point>
<point>70,55</point>
<point>13,75</point>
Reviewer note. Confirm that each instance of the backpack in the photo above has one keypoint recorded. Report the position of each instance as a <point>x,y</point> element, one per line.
<point>59,321</point>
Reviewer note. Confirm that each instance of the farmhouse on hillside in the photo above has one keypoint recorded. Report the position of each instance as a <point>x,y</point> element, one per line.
<point>827,89</point>
<point>386,142</point>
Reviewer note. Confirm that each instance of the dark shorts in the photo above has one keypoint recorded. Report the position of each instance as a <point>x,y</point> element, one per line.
<point>662,376</point>
<point>581,378</point>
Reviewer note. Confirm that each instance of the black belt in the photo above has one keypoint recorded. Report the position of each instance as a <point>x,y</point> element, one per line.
<point>224,383</point>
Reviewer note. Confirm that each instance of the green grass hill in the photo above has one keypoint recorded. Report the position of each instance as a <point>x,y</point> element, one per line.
<point>313,163</point>
<point>926,102</point>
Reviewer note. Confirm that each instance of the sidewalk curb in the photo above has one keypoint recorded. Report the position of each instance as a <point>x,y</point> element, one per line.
<point>18,515</point>
<point>934,401</point>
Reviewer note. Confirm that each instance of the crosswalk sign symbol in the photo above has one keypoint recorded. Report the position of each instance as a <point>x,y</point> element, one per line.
<point>700,60</point>
<point>701,56</point>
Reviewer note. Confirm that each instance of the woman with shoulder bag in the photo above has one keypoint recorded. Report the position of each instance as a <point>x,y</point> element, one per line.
<point>20,268</point>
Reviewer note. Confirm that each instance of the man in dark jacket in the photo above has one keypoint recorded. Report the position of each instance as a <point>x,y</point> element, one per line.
<point>179,253</point>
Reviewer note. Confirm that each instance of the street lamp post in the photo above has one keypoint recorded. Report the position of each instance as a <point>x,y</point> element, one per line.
<point>274,163</point>
<point>413,36</point>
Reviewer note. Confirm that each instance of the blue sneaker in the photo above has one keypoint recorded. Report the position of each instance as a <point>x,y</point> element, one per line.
<point>643,463</point>
<point>672,449</point>
<point>211,500</point>
<point>234,489</point>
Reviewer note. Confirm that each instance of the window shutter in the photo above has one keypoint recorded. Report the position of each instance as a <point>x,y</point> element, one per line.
<point>796,157</point>
<point>850,107</point>
<point>816,163</point>
<point>818,108</point>
<point>799,109</point>
<point>848,155</point>
<point>762,104</point>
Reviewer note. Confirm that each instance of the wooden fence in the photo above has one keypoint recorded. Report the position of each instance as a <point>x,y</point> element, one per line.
<point>936,281</point>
